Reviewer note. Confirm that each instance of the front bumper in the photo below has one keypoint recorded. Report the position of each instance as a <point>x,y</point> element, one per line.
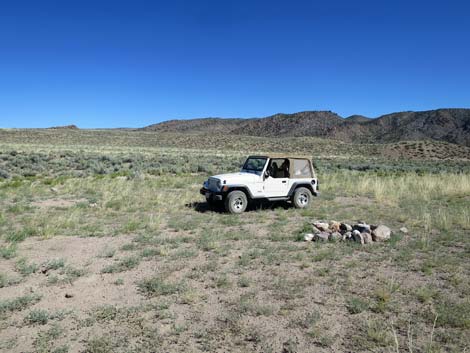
<point>211,195</point>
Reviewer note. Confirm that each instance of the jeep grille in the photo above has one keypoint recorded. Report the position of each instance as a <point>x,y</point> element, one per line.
<point>213,184</point>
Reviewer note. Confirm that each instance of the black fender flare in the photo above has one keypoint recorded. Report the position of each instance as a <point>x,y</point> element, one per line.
<point>303,184</point>
<point>240,187</point>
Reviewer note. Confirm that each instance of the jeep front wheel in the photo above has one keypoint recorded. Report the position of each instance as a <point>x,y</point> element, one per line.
<point>302,198</point>
<point>236,202</point>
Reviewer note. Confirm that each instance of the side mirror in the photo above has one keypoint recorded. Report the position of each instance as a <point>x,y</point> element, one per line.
<point>266,174</point>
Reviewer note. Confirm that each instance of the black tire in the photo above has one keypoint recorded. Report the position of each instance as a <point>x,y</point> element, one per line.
<point>302,198</point>
<point>236,202</point>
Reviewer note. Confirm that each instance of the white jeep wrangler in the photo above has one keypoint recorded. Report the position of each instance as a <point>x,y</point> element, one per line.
<point>273,178</point>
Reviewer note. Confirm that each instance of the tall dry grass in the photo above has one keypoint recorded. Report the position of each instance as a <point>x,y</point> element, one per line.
<point>439,201</point>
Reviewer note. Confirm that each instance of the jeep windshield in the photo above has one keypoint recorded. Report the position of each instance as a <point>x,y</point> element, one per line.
<point>254,165</point>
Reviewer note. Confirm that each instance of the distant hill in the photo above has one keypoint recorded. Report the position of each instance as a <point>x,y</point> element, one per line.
<point>316,123</point>
<point>449,125</point>
<point>357,118</point>
<point>65,127</point>
<point>197,125</point>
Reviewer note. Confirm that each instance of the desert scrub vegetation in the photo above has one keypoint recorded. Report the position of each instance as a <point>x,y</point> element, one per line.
<point>75,163</point>
<point>180,276</point>
<point>17,304</point>
<point>32,153</point>
<point>157,286</point>
<point>78,163</point>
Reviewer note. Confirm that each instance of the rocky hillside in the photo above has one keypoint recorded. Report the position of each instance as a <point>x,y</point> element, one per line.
<point>450,125</point>
<point>357,118</point>
<point>316,123</point>
<point>197,125</point>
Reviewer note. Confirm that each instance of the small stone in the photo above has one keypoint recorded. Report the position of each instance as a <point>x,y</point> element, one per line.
<point>347,236</point>
<point>367,238</point>
<point>315,230</point>
<point>68,295</point>
<point>335,236</point>
<point>335,226</point>
<point>345,227</point>
<point>404,230</point>
<point>308,237</point>
<point>322,226</point>
<point>54,190</point>
<point>357,236</point>
<point>94,204</point>
<point>362,227</point>
<point>381,233</point>
<point>322,236</point>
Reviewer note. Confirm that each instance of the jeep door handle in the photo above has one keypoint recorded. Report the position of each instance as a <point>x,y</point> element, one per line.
<point>284,181</point>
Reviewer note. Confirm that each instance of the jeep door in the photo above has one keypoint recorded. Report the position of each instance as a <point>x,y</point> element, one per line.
<point>277,182</point>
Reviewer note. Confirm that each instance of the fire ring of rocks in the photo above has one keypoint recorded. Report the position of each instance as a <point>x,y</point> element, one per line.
<point>359,232</point>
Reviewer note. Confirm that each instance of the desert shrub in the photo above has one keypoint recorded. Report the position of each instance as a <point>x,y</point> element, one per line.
<point>25,268</point>
<point>19,303</point>
<point>122,265</point>
<point>452,314</point>
<point>4,174</point>
<point>3,280</point>
<point>21,234</point>
<point>8,251</point>
<point>54,264</point>
<point>356,305</point>
<point>37,317</point>
<point>157,286</point>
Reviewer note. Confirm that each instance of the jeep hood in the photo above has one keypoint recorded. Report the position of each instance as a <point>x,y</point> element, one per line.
<point>237,178</point>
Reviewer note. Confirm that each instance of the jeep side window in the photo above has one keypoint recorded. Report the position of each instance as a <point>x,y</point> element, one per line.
<point>279,168</point>
<point>302,169</point>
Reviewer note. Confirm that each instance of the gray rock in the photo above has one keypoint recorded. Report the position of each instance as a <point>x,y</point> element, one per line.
<point>381,233</point>
<point>315,230</point>
<point>357,236</point>
<point>345,227</point>
<point>362,227</point>
<point>404,230</point>
<point>322,236</point>
<point>322,226</point>
<point>335,236</point>
<point>367,238</point>
<point>308,237</point>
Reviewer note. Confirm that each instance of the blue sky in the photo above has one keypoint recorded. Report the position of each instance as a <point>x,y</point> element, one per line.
<point>134,63</point>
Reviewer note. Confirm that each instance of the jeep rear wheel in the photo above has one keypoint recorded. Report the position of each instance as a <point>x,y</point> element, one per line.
<point>302,198</point>
<point>236,202</point>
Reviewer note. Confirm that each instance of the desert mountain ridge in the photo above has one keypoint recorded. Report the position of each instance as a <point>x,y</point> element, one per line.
<point>449,125</point>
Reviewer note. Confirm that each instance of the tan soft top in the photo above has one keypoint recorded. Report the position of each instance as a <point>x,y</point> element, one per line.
<point>290,158</point>
<point>280,155</point>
